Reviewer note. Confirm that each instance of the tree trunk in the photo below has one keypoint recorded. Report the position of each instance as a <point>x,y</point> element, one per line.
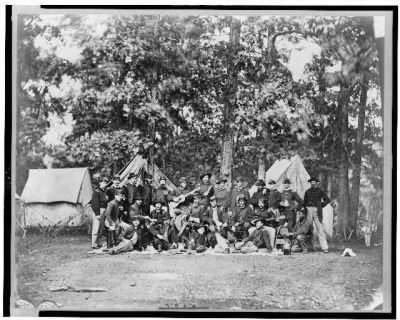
<point>343,181</point>
<point>261,166</point>
<point>329,185</point>
<point>355,185</point>
<point>230,100</point>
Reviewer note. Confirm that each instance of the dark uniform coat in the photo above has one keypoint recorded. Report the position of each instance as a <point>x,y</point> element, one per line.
<point>232,198</point>
<point>112,212</point>
<point>315,197</point>
<point>243,215</point>
<point>99,200</point>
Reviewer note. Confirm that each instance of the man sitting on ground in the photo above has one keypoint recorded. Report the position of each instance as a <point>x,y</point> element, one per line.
<point>130,238</point>
<point>258,239</point>
<point>303,234</point>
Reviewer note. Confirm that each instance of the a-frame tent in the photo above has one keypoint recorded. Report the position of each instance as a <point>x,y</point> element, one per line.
<point>295,171</point>
<point>139,165</point>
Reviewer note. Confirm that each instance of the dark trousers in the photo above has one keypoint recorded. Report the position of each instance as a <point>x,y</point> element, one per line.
<point>242,230</point>
<point>173,234</point>
<point>263,241</point>
<point>302,243</point>
<point>291,218</point>
<point>159,243</point>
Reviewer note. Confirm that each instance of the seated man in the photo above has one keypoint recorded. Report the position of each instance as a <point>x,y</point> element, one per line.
<point>216,241</point>
<point>243,216</point>
<point>268,217</point>
<point>258,239</point>
<point>200,241</point>
<point>130,238</point>
<point>158,225</point>
<point>303,234</point>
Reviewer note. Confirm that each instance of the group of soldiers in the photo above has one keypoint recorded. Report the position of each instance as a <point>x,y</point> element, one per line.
<point>139,215</point>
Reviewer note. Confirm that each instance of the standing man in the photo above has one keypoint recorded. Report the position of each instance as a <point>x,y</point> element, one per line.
<point>163,194</point>
<point>235,192</point>
<point>99,205</point>
<point>291,201</point>
<point>314,200</point>
<point>130,189</point>
<point>222,192</point>
<point>274,198</point>
<point>147,193</point>
<point>206,189</point>
<point>112,215</point>
<point>115,186</point>
<point>179,193</point>
<point>260,193</point>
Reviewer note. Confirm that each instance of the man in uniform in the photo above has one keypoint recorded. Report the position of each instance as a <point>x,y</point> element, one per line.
<point>243,215</point>
<point>112,214</point>
<point>290,202</point>
<point>221,192</point>
<point>147,193</point>
<point>99,205</point>
<point>130,190</point>
<point>206,189</point>
<point>303,234</point>
<point>115,186</point>
<point>181,192</point>
<point>274,198</point>
<point>159,227</point>
<point>314,200</point>
<point>268,218</point>
<point>235,191</point>
<point>135,209</point>
<point>162,193</point>
<point>261,192</point>
<point>130,238</point>
<point>258,239</point>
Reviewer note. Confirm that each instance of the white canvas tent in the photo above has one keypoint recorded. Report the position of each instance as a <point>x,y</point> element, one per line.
<point>294,170</point>
<point>56,197</point>
<point>137,164</point>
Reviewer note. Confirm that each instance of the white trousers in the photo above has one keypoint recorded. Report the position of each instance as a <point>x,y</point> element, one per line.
<point>96,225</point>
<point>312,213</point>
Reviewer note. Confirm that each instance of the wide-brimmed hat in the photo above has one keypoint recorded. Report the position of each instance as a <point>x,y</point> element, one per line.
<point>253,222</point>
<point>132,175</point>
<point>313,179</point>
<point>137,217</point>
<point>220,180</point>
<point>205,174</point>
<point>260,183</point>
<point>138,197</point>
<point>157,201</point>
<point>271,181</point>
<point>286,181</point>
<point>148,176</point>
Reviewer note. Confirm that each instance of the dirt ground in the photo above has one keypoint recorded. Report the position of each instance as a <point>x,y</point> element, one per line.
<point>134,281</point>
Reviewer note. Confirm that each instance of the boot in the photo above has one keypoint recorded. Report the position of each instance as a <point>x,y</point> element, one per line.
<point>109,239</point>
<point>114,238</point>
